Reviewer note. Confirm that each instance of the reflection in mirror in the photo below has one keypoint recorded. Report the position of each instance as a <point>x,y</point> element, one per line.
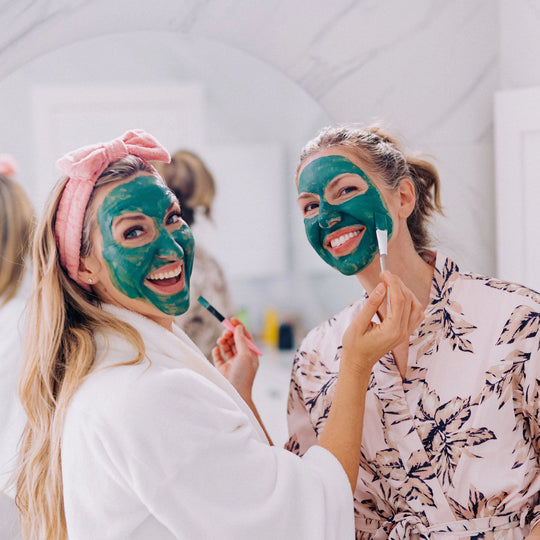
<point>246,119</point>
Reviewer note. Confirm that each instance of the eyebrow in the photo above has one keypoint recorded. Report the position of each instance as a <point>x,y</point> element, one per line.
<point>136,217</point>
<point>339,177</point>
<point>305,195</point>
<point>336,180</point>
<point>142,217</point>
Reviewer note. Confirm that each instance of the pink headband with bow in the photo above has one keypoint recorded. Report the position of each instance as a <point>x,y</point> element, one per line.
<point>8,166</point>
<point>83,167</point>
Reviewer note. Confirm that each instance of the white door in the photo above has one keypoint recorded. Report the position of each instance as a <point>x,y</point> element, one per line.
<point>517,161</point>
<point>69,116</point>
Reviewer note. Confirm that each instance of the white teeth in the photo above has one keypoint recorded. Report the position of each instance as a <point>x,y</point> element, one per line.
<point>166,275</point>
<point>343,238</point>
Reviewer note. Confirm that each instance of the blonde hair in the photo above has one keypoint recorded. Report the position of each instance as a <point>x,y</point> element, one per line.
<point>62,320</point>
<point>386,158</point>
<point>191,181</point>
<point>16,224</point>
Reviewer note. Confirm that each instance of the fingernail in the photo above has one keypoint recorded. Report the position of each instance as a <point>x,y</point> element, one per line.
<point>379,289</point>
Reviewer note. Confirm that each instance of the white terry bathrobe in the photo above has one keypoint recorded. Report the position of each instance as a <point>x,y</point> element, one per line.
<point>12,417</point>
<point>167,449</point>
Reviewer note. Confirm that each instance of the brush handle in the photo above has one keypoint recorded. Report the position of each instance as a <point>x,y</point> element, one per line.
<point>384,266</point>
<point>230,326</point>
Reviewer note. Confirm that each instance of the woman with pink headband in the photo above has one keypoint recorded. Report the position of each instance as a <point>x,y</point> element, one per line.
<point>131,432</point>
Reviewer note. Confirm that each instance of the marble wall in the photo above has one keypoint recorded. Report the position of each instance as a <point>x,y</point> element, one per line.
<point>519,43</point>
<point>426,68</point>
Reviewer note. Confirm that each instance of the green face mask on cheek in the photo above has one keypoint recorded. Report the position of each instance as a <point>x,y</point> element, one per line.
<point>358,211</point>
<point>130,266</point>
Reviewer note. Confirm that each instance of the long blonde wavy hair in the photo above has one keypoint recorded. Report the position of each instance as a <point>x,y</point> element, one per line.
<point>16,225</point>
<point>59,353</point>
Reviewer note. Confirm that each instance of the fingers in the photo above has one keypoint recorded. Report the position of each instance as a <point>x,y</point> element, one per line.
<point>407,312</point>
<point>362,321</point>
<point>227,344</point>
<point>237,322</point>
<point>240,340</point>
<point>392,326</point>
<point>217,357</point>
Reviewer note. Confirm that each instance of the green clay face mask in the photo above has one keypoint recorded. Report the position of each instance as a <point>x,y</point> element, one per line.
<point>340,225</point>
<point>147,248</point>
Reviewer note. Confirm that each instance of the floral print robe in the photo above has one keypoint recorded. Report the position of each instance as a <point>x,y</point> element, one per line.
<point>451,451</point>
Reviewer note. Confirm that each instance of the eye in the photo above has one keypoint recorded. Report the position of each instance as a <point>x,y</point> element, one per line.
<point>133,232</point>
<point>310,208</point>
<point>173,217</point>
<point>346,190</point>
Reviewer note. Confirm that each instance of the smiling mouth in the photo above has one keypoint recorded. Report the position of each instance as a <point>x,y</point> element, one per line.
<point>169,279</point>
<point>344,241</point>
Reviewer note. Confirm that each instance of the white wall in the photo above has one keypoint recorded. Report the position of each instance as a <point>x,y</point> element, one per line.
<point>519,39</point>
<point>429,68</point>
<point>245,102</point>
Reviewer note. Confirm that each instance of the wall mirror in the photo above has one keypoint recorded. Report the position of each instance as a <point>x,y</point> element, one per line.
<point>245,118</point>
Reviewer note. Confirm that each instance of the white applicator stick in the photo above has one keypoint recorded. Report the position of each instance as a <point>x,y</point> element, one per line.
<point>382,240</point>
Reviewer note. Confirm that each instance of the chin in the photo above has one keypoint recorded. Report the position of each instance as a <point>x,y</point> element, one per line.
<point>175,308</point>
<point>351,269</point>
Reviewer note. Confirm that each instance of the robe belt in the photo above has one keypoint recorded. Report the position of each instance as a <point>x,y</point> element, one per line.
<point>404,526</point>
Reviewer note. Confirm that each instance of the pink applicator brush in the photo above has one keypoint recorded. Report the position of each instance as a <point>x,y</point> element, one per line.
<point>382,240</point>
<point>226,323</point>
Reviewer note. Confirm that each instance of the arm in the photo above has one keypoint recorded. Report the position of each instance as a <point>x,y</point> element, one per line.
<point>535,533</point>
<point>236,362</point>
<point>191,448</point>
<point>364,343</point>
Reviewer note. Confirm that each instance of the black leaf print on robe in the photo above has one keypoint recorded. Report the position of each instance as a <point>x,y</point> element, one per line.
<point>445,320</point>
<point>523,323</point>
<point>505,286</point>
<point>440,428</point>
<point>293,445</point>
<point>478,505</point>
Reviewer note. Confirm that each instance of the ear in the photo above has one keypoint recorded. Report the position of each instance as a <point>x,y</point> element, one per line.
<point>89,269</point>
<point>407,197</point>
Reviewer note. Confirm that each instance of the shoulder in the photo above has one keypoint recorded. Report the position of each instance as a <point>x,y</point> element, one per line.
<point>505,311</point>
<point>478,290</point>
<point>513,293</point>
<point>145,398</point>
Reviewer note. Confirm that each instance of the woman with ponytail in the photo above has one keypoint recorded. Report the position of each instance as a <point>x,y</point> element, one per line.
<point>451,440</point>
<point>131,432</point>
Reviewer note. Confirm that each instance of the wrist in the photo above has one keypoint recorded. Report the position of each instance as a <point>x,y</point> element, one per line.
<point>353,369</point>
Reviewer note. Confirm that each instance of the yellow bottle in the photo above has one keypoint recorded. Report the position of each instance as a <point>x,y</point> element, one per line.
<point>270,334</point>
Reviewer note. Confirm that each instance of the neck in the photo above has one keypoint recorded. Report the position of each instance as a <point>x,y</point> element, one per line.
<point>414,272</point>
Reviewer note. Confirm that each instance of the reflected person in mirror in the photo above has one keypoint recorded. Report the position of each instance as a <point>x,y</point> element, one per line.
<point>131,432</point>
<point>193,184</point>
<point>16,223</point>
<point>451,440</point>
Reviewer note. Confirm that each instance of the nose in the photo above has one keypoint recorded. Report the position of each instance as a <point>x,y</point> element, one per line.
<point>168,247</point>
<point>328,215</point>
